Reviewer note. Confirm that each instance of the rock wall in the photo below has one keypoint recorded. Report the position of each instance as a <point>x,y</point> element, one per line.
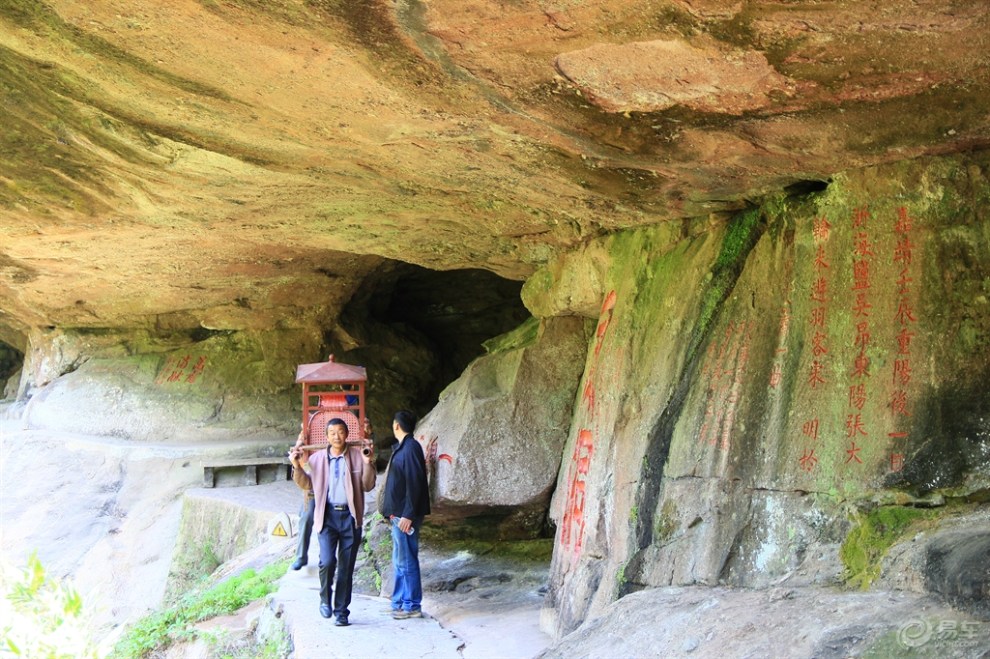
<point>221,385</point>
<point>753,384</point>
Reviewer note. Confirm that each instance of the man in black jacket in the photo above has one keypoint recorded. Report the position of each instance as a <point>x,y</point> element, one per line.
<point>405,501</point>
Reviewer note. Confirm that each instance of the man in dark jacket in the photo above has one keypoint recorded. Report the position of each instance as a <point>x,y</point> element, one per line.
<point>405,501</point>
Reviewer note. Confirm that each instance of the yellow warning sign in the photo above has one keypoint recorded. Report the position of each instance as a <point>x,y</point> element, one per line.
<point>279,530</point>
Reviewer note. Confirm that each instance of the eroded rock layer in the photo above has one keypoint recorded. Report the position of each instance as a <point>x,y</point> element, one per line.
<point>235,165</point>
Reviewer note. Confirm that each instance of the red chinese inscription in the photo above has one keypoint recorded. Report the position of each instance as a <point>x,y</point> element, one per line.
<point>857,396</point>
<point>572,526</point>
<point>855,425</point>
<point>725,366</point>
<point>820,229</point>
<point>777,368</point>
<point>177,369</point>
<point>905,316</point>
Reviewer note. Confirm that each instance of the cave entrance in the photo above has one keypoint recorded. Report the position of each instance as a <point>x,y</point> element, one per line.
<point>11,362</point>
<point>415,330</point>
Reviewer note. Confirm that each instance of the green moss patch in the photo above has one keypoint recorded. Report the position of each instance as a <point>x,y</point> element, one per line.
<point>521,337</point>
<point>741,235</point>
<point>538,550</point>
<point>873,535</point>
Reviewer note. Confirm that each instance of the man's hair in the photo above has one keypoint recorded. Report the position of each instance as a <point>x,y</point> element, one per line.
<point>337,422</point>
<point>406,420</point>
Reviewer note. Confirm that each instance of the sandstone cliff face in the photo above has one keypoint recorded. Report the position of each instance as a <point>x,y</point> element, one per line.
<point>755,205</point>
<point>750,391</point>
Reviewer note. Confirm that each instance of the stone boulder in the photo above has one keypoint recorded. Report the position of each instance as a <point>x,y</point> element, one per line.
<point>949,560</point>
<point>656,75</point>
<point>751,394</point>
<point>501,427</point>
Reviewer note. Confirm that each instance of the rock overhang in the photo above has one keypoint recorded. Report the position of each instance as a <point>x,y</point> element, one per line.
<point>210,163</point>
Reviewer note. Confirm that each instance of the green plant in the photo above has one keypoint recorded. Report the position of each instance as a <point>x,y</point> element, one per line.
<point>245,646</point>
<point>161,629</point>
<point>42,617</point>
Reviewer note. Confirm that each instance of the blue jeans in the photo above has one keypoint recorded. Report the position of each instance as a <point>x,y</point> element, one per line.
<point>408,591</point>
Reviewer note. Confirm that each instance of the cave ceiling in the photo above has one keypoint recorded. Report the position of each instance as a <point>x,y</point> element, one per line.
<point>240,163</point>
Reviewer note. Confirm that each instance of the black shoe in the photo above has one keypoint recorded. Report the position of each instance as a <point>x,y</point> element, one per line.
<point>325,610</point>
<point>341,621</point>
<point>298,565</point>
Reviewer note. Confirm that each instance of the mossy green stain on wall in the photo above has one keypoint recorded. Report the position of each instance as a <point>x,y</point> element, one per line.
<point>523,336</point>
<point>941,286</point>
<point>741,236</point>
<point>53,118</point>
<point>868,541</point>
<point>664,306</point>
<point>41,19</point>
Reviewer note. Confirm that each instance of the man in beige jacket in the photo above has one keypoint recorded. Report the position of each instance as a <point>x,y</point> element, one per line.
<point>339,476</point>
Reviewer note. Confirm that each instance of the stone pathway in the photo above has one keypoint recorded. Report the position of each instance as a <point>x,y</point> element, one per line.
<point>477,620</point>
<point>372,632</point>
<point>492,613</point>
<point>483,616</point>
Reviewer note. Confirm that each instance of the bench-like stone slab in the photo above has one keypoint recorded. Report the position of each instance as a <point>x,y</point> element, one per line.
<point>250,466</point>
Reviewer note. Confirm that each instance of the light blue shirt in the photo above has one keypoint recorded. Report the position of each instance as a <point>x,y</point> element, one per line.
<point>337,472</point>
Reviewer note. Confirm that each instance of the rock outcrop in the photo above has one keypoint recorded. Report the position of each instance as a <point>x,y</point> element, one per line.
<point>229,165</point>
<point>828,363</point>
<point>700,621</point>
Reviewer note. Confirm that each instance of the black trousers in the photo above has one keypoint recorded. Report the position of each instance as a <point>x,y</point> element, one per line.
<point>339,541</point>
<point>306,512</point>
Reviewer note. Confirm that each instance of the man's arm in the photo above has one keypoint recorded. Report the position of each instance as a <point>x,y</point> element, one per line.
<point>299,458</point>
<point>299,475</point>
<point>368,473</point>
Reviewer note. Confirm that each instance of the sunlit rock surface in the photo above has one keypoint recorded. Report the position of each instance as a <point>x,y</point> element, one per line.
<point>221,164</point>
<point>773,215</point>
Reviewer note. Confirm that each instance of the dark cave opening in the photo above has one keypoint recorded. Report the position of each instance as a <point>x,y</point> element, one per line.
<point>11,361</point>
<point>416,329</point>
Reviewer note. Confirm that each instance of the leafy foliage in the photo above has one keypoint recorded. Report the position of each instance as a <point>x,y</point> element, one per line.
<point>161,629</point>
<point>42,617</point>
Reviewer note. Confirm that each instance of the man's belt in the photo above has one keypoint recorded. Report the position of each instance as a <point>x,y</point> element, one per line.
<point>336,507</point>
